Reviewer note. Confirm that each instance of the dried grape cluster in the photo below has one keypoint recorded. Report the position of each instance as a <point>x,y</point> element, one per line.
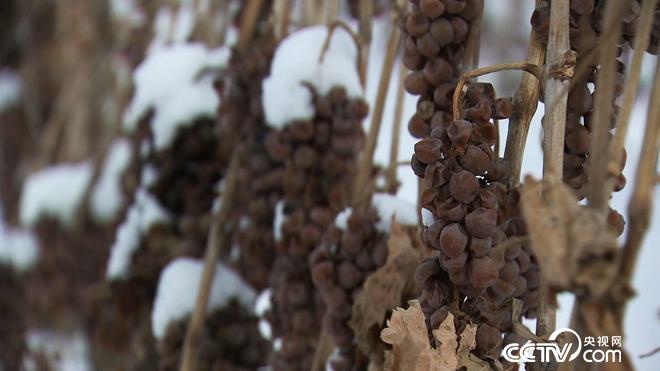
<point>260,178</point>
<point>585,28</point>
<point>433,50</point>
<point>319,157</point>
<point>230,341</point>
<point>475,216</point>
<point>474,211</point>
<point>340,265</point>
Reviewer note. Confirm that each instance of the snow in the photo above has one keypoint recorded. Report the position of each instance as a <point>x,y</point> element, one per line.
<point>178,287</point>
<point>107,197</point>
<point>171,82</point>
<point>10,89</point>
<point>296,62</point>
<point>263,303</point>
<point>388,205</point>
<point>265,329</point>
<point>280,218</point>
<point>127,11</point>
<point>427,217</point>
<point>64,351</point>
<point>145,212</point>
<point>56,191</point>
<point>341,221</point>
<point>18,248</point>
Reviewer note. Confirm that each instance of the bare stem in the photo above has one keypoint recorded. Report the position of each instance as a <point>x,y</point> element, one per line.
<point>390,180</point>
<point>331,11</point>
<point>282,17</point>
<point>356,39</point>
<point>643,35</point>
<point>217,241</point>
<point>553,134</point>
<point>366,161</point>
<point>366,11</point>
<point>473,43</point>
<point>597,194</point>
<point>639,209</point>
<point>466,76</point>
<point>248,21</point>
<point>525,103</point>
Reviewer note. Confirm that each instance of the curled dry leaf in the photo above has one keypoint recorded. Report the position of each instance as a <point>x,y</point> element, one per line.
<point>412,351</point>
<point>574,247</point>
<point>386,288</point>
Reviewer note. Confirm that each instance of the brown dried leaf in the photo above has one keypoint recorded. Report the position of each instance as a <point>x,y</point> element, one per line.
<point>411,350</point>
<point>573,244</point>
<point>384,290</point>
<point>467,359</point>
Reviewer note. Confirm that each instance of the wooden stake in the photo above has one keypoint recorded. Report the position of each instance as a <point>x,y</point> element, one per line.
<point>553,135</point>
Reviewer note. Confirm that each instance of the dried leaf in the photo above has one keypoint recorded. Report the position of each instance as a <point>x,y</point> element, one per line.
<point>574,247</point>
<point>384,290</point>
<point>411,350</point>
<point>445,335</point>
<point>468,342</point>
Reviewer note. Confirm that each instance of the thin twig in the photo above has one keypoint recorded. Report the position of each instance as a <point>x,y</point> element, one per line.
<point>553,134</point>
<point>391,182</point>
<point>366,10</point>
<point>525,103</point>
<point>597,194</point>
<point>466,76</point>
<point>366,161</point>
<point>217,241</point>
<point>331,11</point>
<point>650,353</point>
<point>640,206</point>
<point>643,35</point>
<point>356,39</point>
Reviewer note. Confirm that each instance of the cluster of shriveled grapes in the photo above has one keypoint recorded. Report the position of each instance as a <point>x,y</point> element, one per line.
<point>230,341</point>
<point>585,22</point>
<point>474,211</point>
<point>319,156</point>
<point>433,50</point>
<point>340,266</point>
<point>260,177</point>
<point>474,215</point>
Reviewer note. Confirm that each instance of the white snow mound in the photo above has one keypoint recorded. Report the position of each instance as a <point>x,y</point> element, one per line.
<point>55,191</point>
<point>171,82</point>
<point>297,61</point>
<point>178,287</point>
